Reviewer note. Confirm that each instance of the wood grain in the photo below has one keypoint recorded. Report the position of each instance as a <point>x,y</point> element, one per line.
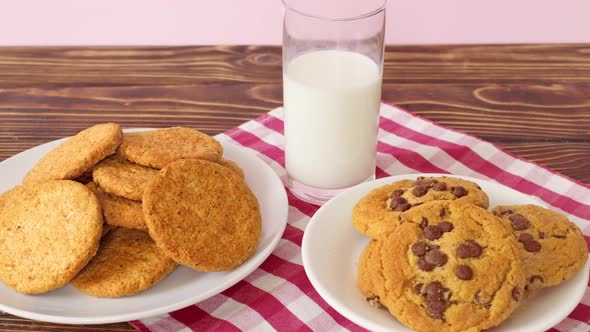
<point>533,100</point>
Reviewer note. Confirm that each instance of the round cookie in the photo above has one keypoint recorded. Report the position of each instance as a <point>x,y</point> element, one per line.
<point>157,148</point>
<point>553,249</point>
<point>7,196</point>
<point>126,263</point>
<point>77,154</point>
<point>451,266</point>
<point>202,215</point>
<point>123,178</point>
<point>370,278</point>
<point>233,166</point>
<point>119,211</point>
<point>378,211</point>
<point>48,235</point>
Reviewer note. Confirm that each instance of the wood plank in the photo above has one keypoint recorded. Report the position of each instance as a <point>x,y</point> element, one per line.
<point>100,66</point>
<point>495,112</point>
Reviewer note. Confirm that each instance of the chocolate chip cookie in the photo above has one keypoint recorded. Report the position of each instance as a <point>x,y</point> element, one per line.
<point>449,266</point>
<point>370,278</point>
<point>553,248</point>
<point>378,212</point>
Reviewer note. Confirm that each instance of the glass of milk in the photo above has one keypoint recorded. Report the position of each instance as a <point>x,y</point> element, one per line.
<point>332,73</point>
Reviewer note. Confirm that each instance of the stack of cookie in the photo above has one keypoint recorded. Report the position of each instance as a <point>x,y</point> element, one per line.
<point>439,261</point>
<point>166,196</point>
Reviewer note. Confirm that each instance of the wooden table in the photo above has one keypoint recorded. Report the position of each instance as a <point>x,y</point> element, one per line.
<point>532,100</point>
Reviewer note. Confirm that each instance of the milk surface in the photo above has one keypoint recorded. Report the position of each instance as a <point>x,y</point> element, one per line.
<point>332,101</point>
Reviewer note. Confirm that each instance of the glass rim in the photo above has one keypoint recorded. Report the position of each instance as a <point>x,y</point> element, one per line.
<point>370,13</point>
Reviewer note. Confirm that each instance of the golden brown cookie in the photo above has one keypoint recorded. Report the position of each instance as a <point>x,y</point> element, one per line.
<point>369,276</point>
<point>553,248</point>
<point>119,211</point>
<point>232,165</point>
<point>378,211</point>
<point>126,263</point>
<point>157,148</point>
<point>49,232</point>
<point>449,266</point>
<point>5,198</point>
<point>77,154</point>
<point>202,215</point>
<point>123,178</point>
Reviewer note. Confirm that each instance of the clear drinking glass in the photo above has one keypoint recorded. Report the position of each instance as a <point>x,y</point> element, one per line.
<point>332,73</point>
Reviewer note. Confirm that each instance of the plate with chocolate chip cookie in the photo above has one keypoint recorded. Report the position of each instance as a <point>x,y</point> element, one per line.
<point>436,252</point>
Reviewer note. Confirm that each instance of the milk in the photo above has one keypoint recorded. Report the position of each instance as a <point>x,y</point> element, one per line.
<point>332,101</point>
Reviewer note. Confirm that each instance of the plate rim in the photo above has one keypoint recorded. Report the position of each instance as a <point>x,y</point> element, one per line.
<point>368,324</point>
<point>282,203</point>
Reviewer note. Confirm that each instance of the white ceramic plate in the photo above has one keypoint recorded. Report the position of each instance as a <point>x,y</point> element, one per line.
<point>181,288</point>
<point>331,249</point>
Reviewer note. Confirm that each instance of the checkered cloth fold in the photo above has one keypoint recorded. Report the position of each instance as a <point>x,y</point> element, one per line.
<point>278,295</point>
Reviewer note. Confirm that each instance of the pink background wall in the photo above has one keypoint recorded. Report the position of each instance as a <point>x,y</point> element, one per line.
<point>160,22</point>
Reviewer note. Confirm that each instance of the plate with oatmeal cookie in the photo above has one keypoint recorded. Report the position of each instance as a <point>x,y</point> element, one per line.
<point>436,252</point>
<point>116,225</point>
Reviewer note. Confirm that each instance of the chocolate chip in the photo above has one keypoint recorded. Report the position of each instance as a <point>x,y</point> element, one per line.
<point>425,266</point>
<point>436,309</point>
<point>419,248</point>
<point>519,222</point>
<point>399,203</point>
<point>419,191</point>
<point>525,237</point>
<point>402,207</point>
<point>397,193</point>
<point>395,200</point>
<point>541,235</point>
<point>418,288</point>
<point>423,223</point>
<point>436,257</point>
<point>535,278</point>
<point>432,232</point>
<point>426,182</point>
<point>441,186</point>
<point>446,226</point>
<point>468,249</point>
<point>516,294</point>
<point>532,246</point>
<point>464,272</point>
<point>459,191</point>
<point>433,247</point>
<point>434,288</point>
<point>441,213</point>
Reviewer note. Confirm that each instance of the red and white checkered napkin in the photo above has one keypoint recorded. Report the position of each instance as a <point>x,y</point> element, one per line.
<point>278,295</point>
